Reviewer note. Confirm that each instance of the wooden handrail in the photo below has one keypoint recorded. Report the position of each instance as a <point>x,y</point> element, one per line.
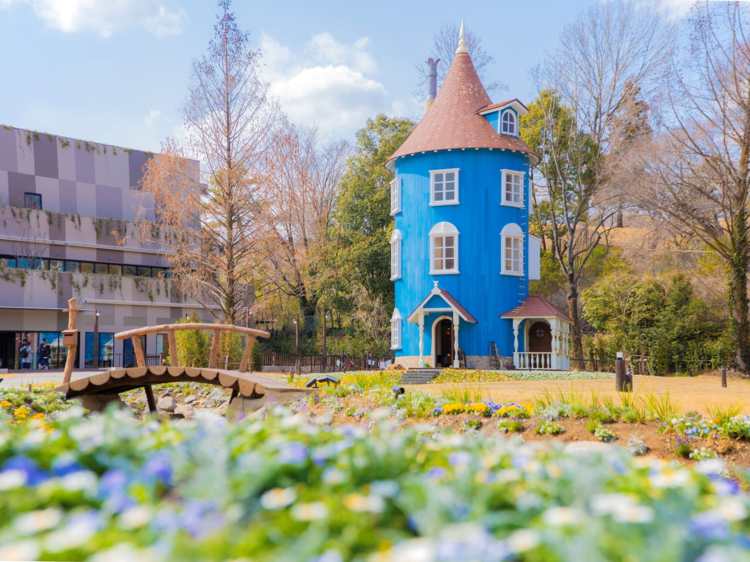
<point>171,328</point>
<point>196,326</point>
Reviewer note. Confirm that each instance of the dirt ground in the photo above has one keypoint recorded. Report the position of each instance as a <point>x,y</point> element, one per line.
<point>692,393</point>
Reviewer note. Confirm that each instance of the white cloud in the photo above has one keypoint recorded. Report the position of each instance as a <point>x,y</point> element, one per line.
<point>105,16</point>
<point>153,118</point>
<point>328,84</point>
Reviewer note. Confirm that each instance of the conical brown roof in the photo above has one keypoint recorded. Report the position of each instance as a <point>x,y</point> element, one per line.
<point>452,122</point>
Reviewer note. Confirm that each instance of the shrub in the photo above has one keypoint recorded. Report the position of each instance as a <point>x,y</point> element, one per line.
<point>193,346</point>
<point>511,426</point>
<point>604,434</point>
<point>555,412</point>
<point>473,424</point>
<point>629,416</point>
<point>548,428</point>
<point>737,428</point>
<point>256,358</point>
<point>592,425</point>
<point>637,446</point>
<point>601,415</point>
<point>702,454</point>
<point>682,447</point>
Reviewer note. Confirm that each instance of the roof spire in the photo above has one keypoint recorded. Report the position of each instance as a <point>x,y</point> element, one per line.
<point>462,48</point>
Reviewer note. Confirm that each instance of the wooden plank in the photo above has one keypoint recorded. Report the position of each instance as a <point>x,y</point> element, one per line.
<point>150,398</point>
<point>140,358</point>
<point>137,372</point>
<point>100,379</point>
<point>209,374</point>
<point>250,340</point>
<point>70,360</point>
<point>80,384</point>
<point>192,326</point>
<point>157,370</point>
<point>226,379</point>
<point>247,388</point>
<point>215,343</point>
<point>173,349</point>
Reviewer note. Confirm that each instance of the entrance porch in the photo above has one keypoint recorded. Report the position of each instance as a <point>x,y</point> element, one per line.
<point>544,333</point>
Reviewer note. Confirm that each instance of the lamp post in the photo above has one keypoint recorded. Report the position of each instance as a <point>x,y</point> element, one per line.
<point>296,335</point>
<point>96,339</point>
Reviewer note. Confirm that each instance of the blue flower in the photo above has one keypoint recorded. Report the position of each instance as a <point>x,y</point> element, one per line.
<point>436,473</point>
<point>292,452</point>
<point>158,468</point>
<point>34,474</point>
<point>64,466</point>
<point>709,526</point>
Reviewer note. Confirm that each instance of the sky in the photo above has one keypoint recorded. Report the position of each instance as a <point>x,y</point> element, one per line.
<point>117,71</point>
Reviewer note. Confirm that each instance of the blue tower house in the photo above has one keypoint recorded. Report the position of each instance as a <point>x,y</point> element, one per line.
<point>461,253</point>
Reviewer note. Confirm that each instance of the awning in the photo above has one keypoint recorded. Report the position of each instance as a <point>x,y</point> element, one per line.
<point>451,303</point>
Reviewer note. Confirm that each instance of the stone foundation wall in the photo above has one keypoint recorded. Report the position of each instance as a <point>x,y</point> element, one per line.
<point>480,362</point>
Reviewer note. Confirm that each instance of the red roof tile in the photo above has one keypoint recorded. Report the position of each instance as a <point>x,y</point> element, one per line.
<point>535,306</point>
<point>452,121</point>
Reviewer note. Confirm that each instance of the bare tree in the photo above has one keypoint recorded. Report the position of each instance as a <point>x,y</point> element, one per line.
<point>209,222</point>
<point>696,173</point>
<point>299,191</point>
<point>445,43</point>
<point>583,85</point>
<point>28,250</point>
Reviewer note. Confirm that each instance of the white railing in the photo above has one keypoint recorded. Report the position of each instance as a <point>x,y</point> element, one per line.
<point>533,360</point>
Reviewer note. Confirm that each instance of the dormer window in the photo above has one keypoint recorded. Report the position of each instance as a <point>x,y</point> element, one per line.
<point>509,123</point>
<point>444,187</point>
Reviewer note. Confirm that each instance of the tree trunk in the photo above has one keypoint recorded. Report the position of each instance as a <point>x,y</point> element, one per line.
<point>738,299</point>
<point>576,348</point>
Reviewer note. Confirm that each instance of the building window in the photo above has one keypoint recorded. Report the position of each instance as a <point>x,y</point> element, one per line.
<point>396,196</point>
<point>396,329</point>
<point>509,122</point>
<point>512,188</point>
<point>396,255</point>
<point>32,201</point>
<point>512,250</point>
<point>443,249</point>
<point>444,187</point>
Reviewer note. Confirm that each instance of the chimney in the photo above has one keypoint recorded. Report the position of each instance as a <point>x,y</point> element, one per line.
<point>431,83</point>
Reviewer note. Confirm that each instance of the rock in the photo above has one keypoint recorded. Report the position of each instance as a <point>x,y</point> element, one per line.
<point>217,394</point>
<point>208,404</point>
<point>99,402</point>
<point>185,411</point>
<point>142,401</point>
<point>190,399</point>
<point>167,404</point>
<point>242,407</point>
<point>221,410</point>
<point>588,448</point>
<point>287,397</point>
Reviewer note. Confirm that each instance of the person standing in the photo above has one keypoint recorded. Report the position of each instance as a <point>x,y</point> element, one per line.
<point>25,353</point>
<point>44,354</point>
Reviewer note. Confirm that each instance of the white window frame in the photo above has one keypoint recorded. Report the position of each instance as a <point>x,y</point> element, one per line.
<point>443,230</point>
<point>506,174</point>
<point>395,196</point>
<point>396,330</point>
<point>396,255</point>
<point>511,238</point>
<point>515,123</point>
<point>433,173</point>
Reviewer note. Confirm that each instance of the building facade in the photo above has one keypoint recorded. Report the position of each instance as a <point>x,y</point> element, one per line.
<point>461,253</point>
<point>67,208</point>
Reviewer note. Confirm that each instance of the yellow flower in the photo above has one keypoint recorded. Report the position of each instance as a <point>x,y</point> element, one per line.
<point>21,412</point>
<point>5,404</point>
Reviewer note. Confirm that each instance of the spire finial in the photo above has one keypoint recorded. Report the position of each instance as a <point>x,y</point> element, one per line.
<point>462,48</point>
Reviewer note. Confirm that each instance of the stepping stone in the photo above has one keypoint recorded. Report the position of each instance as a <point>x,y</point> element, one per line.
<point>185,411</point>
<point>167,404</point>
<point>585,449</point>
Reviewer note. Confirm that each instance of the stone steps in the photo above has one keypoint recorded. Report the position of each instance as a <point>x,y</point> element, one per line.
<point>419,376</point>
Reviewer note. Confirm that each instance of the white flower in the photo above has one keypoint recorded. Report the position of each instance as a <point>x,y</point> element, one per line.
<point>334,476</point>
<point>379,414</point>
<point>371,503</point>
<point>523,540</point>
<point>732,508</point>
<point>10,479</point>
<point>310,511</point>
<point>622,508</point>
<point>278,498</point>
<point>136,516</point>
<point>36,521</point>
<point>25,550</point>
<point>670,478</point>
<point>80,480</point>
<point>415,550</point>
<point>634,514</point>
<point>561,516</point>
<point>711,466</point>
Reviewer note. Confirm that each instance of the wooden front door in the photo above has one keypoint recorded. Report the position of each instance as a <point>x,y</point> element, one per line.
<point>540,338</point>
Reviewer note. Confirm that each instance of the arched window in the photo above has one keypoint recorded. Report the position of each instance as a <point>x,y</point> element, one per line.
<point>396,329</point>
<point>509,123</point>
<point>396,255</point>
<point>512,250</point>
<point>443,249</point>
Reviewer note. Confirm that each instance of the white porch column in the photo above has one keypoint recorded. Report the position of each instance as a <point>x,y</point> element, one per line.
<point>456,363</point>
<point>553,324</point>
<point>421,339</point>
<point>516,323</point>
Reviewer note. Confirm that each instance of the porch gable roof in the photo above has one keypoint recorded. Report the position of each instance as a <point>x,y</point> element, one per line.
<point>535,306</point>
<point>449,300</point>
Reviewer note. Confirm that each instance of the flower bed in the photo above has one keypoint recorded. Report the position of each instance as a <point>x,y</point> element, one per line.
<point>284,488</point>
<point>19,405</point>
<point>473,376</point>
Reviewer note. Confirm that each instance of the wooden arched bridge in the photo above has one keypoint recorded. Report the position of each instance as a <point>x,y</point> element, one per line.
<point>241,383</point>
